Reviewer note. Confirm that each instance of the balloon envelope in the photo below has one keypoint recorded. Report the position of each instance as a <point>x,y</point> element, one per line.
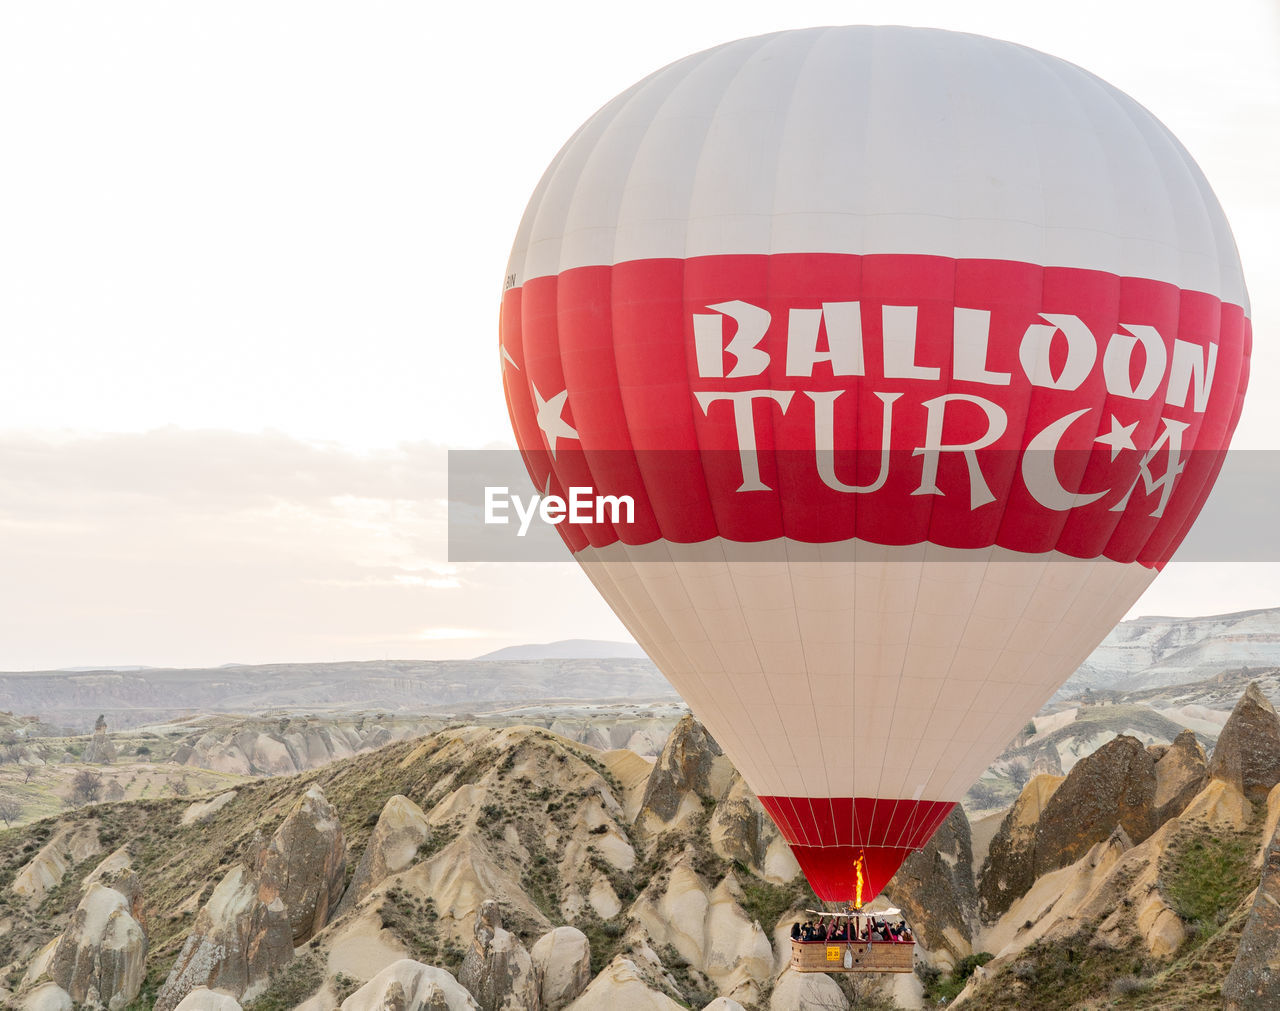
<point>916,353</point>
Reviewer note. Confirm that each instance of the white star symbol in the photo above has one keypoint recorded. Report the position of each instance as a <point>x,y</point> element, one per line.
<point>507,359</point>
<point>1120,437</point>
<point>550,418</point>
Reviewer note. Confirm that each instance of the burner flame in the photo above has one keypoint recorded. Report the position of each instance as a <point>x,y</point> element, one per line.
<point>857,866</point>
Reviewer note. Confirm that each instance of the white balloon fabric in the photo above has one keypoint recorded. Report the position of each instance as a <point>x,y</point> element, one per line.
<point>917,353</point>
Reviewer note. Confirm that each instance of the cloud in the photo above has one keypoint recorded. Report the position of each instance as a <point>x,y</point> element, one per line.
<point>179,547</point>
<point>211,469</point>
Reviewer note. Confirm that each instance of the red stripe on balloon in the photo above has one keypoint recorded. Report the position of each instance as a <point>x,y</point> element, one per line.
<point>652,422</point>
<point>829,835</point>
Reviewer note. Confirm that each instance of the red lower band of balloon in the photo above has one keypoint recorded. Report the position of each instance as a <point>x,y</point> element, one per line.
<point>830,835</point>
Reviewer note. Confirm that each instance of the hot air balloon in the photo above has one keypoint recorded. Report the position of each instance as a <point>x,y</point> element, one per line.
<point>917,353</point>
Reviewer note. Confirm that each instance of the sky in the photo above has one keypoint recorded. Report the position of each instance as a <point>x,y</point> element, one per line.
<point>250,262</point>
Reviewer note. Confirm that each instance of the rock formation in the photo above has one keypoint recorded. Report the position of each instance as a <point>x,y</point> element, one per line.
<point>277,899</point>
<point>1247,753</point>
<point>241,936</point>
<point>115,871</point>
<point>1181,773</point>
<point>806,990</point>
<point>562,961</point>
<point>204,810</point>
<point>305,863</point>
<point>540,828</point>
<point>1270,822</point>
<point>101,959</point>
<point>1008,870</point>
<point>46,997</point>
<point>497,970</point>
<point>691,768</point>
<point>741,831</point>
<point>1254,979</point>
<point>411,986</point>
<point>44,871</point>
<point>1113,899</point>
<point>99,750</point>
<point>707,927</point>
<point>934,886</point>
<point>625,983</point>
<point>402,828</point>
<point>204,999</point>
<point>1116,785</point>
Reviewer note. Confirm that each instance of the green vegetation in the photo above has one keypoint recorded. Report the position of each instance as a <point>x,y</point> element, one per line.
<point>696,989</point>
<point>766,903</point>
<point>622,882</point>
<point>605,938</point>
<point>413,920</point>
<point>1208,876</point>
<point>938,988</point>
<point>344,986</point>
<point>295,983</point>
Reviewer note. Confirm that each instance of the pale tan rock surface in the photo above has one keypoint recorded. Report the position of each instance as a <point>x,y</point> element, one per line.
<point>44,871</point>
<point>1268,826</point>
<point>562,961</point>
<point>305,864</point>
<point>740,830</point>
<point>691,768</point>
<point>806,990</point>
<point>46,997</point>
<point>240,937</point>
<point>407,985</point>
<point>1247,752</point>
<point>934,887</point>
<point>203,810</point>
<point>632,773</point>
<point>460,878</point>
<point>289,746</point>
<point>360,947</point>
<point>39,963</point>
<point>401,830</point>
<point>1181,773</point>
<point>497,970</point>
<point>1009,868</point>
<point>114,865</point>
<point>1220,805</point>
<point>101,958</point>
<point>622,986</point>
<point>204,999</point>
<point>707,926</point>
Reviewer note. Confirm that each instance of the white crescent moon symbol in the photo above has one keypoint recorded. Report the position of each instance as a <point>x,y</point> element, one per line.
<point>1038,472</point>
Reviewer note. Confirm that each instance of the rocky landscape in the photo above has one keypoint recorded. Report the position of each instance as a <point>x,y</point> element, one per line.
<point>511,867</point>
<point>1154,652</point>
<point>1067,729</point>
<point>447,688</point>
<point>43,768</point>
